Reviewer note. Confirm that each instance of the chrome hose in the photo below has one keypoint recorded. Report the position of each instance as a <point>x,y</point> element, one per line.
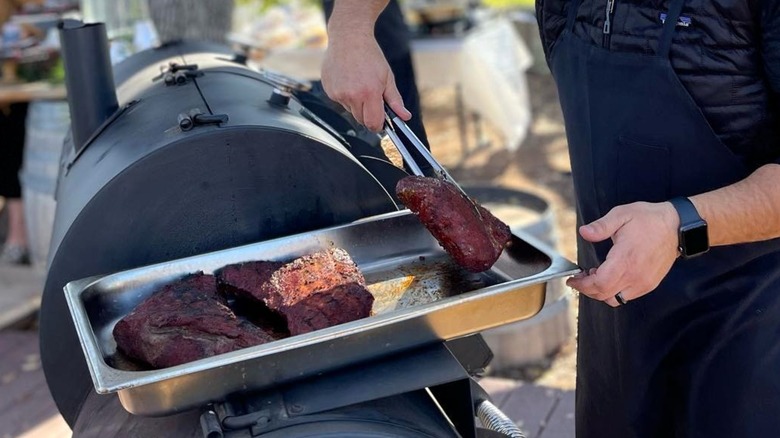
<point>495,420</point>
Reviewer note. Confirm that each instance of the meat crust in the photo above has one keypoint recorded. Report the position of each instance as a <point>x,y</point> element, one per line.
<point>247,280</point>
<point>469,233</point>
<point>312,292</point>
<point>319,290</point>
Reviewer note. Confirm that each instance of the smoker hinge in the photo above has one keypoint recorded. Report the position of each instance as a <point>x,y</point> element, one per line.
<point>178,74</point>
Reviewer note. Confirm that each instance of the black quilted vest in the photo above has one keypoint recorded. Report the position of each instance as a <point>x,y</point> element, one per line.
<point>726,53</point>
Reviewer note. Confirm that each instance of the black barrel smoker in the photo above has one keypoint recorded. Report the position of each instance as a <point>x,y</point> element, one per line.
<point>193,152</point>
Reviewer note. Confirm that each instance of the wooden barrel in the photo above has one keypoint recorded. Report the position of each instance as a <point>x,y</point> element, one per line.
<point>533,340</point>
<point>47,124</point>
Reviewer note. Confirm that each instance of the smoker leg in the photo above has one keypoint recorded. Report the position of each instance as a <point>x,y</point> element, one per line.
<point>463,400</point>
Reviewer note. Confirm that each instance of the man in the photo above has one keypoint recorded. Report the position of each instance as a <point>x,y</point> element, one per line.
<point>14,249</point>
<point>392,37</point>
<point>355,72</point>
<point>388,34</point>
<point>670,111</point>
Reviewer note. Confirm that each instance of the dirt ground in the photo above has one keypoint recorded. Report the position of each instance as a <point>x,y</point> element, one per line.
<point>540,165</point>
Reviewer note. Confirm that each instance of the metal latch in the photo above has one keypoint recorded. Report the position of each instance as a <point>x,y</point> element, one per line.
<point>284,87</point>
<point>178,74</point>
<point>195,117</point>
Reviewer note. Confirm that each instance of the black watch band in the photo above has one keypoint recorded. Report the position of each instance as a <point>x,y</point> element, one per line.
<point>693,234</point>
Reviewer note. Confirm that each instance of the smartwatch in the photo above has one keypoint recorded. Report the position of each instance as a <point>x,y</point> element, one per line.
<point>693,235</point>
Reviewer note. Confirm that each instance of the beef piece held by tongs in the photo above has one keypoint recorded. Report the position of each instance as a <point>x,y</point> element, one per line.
<point>469,233</point>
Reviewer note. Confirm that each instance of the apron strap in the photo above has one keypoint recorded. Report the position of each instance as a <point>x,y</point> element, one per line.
<point>670,26</point>
<point>574,5</point>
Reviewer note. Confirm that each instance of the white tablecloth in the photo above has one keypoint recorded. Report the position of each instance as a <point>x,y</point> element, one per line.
<point>489,64</point>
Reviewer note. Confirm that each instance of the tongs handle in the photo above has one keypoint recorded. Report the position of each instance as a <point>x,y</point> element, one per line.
<point>391,118</point>
<point>390,130</point>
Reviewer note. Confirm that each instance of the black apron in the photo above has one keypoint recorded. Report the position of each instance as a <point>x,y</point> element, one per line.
<point>700,355</point>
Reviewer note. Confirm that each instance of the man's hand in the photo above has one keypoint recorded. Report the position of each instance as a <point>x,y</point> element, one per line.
<point>645,242</point>
<point>355,72</point>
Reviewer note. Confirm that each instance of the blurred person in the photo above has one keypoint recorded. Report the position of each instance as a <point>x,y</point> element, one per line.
<point>12,125</point>
<point>12,120</point>
<point>671,112</point>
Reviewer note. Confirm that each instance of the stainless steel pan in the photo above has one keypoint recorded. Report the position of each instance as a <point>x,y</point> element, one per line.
<point>422,296</point>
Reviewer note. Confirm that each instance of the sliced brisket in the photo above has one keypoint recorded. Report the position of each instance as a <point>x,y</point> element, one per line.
<point>319,290</point>
<point>312,292</point>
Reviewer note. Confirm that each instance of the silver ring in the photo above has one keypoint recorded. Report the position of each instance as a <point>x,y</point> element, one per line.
<point>620,299</point>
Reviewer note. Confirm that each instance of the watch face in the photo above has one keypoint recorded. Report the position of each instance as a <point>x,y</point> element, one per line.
<point>695,239</point>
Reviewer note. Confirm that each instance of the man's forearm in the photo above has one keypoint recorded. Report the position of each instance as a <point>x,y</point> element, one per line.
<point>354,18</point>
<point>747,211</point>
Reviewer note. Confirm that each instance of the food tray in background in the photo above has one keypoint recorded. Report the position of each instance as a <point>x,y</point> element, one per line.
<point>421,296</point>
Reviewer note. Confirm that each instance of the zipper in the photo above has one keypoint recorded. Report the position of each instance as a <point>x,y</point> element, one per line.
<point>609,11</point>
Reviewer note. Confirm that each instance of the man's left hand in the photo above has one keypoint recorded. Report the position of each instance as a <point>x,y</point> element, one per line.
<point>645,245</point>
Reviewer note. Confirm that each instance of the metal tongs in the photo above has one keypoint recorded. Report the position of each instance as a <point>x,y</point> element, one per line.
<point>391,122</point>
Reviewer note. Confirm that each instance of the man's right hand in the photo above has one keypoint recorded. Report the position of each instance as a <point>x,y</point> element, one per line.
<point>355,72</point>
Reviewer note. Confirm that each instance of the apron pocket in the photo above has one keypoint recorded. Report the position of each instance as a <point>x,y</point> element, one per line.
<point>642,173</point>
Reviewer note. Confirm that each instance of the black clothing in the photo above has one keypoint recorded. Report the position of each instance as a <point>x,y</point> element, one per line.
<point>727,57</point>
<point>699,356</point>
<point>12,130</point>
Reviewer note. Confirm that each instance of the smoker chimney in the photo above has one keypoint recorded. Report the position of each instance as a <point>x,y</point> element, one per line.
<point>88,77</point>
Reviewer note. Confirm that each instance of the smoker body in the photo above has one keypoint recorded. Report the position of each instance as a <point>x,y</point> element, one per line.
<point>192,153</point>
<point>143,190</point>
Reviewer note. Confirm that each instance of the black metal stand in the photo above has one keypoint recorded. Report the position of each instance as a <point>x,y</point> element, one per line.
<point>427,392</point>
<point>424,392</point>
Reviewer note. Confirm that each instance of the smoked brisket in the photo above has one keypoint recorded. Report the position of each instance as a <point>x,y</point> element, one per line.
<point>184,321</point>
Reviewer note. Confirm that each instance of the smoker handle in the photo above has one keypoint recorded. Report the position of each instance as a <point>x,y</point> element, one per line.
<point>495,420</point>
